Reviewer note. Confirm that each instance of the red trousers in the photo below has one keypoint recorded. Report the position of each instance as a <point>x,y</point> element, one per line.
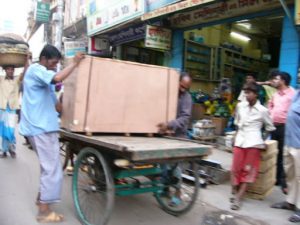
<point>245,165</point>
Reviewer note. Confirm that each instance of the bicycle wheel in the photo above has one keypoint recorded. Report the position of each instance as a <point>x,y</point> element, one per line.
<point>188,192</point>
<point>93,188</point>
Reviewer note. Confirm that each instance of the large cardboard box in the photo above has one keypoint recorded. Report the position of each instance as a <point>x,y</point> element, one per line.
<point>105,95</point>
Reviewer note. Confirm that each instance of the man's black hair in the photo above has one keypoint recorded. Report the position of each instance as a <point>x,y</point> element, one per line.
<point>273,73</point>
<point>286,77</point>
<point>254,75</point>
<point>50,52</point>
<point>253,87</point>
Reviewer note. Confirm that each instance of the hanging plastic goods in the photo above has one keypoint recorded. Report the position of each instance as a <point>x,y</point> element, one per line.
<point>13,50</point>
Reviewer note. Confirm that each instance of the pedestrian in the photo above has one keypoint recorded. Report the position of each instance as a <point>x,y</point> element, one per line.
<point>252,78</point>
<point>9,104</point>
<point>39,122</point>
<point>278,107</point>
<point>292,160</point>
<point>178,128</point>
<point>251,118</point>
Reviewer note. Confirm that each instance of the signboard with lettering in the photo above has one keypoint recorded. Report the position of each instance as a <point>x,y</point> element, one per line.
<point>174,8</point>
<point>158,37</point>
<point>42,12</point>
<point>131,33</point>
<point>156,4</point>
<point>72,47</point>
<point>105,14</point>
<point>221,10</point>
<point>297,12</point>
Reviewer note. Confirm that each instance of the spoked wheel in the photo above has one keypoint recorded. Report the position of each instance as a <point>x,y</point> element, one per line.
<point>65,152</point>
<point>93,188</point>
<point>178,196</point>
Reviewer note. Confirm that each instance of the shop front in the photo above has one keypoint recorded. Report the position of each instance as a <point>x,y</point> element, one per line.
<point>127,37</point>
<point>230,39</point>
<point>221,42</point>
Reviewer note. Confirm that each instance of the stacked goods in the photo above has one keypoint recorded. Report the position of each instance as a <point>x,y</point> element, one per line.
<point>13,50</point>
<point>112,96</point>
<point>267,173</point>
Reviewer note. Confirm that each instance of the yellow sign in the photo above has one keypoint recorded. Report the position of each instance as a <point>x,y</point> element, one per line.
<point>297,12</point>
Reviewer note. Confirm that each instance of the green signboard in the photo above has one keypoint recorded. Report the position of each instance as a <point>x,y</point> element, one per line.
<point>42,12</point>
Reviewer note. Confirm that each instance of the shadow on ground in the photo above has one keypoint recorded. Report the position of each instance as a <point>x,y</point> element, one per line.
<point>214,216</point>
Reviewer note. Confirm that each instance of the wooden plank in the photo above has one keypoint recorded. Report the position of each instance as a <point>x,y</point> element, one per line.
<point>144,148</point>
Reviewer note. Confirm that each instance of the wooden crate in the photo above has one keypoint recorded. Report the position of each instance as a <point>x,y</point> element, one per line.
<point>220,124</point>
<point>112,96</point>
<point>264,181</point>
<point>266,165</point>
<point>271,150</point>
<point>257,196</point>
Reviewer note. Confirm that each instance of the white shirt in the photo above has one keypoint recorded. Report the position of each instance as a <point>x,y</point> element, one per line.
<point>250,121</point>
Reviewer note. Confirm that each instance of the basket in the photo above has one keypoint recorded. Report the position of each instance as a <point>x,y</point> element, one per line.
<point>15,59</point>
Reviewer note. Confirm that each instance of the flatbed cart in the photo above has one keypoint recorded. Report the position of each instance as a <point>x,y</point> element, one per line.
<point>109,166</point>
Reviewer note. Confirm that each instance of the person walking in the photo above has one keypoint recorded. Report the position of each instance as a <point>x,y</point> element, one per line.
<point>278,107</point>
<point>292,160</point>
<point>9,104</point>
<point>39,122</point>
<point>251,117</point>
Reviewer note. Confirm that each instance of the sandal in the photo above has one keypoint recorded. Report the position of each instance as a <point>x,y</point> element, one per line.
<point>295,218</point>
<point>236,204</point>
<point>283,205</point>
<point>51,217</point>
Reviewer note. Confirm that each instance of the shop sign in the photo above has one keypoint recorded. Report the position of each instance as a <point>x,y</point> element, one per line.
<point>221,10</point>
<point>158,37</point>
<point>103,14</point>
<point>42,12</point>
<point>99,46</point>
<point>72,47</point>
<point>297,12</point>
<point>174,8</point>
<point>152,5</point>
<point>132,33</point>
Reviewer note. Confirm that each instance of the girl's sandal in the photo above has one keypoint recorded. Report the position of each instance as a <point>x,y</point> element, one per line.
<point>236,204</point>
<point>51,217</point>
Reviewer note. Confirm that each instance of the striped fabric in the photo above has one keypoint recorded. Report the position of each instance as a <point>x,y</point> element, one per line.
<point>8,121</point>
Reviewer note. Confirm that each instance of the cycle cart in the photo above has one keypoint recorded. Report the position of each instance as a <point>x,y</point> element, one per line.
<point>109,166</point>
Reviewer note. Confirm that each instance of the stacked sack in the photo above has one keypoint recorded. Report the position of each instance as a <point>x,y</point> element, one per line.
<point>13,50</point>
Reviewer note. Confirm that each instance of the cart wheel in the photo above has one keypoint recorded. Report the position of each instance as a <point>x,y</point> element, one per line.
<point>169,200</point>
<point>92,188</point>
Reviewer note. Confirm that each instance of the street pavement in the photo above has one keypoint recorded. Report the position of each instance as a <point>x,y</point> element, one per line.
<point>19,186</point>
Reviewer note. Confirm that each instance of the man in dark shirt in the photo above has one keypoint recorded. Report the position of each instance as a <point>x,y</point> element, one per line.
<point>179,126</point>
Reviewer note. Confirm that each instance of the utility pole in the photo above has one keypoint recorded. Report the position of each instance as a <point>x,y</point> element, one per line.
<point>59,23</point>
